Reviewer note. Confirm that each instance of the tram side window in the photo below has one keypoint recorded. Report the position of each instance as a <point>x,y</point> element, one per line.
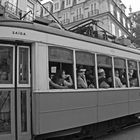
<point>105,77</point>
<point>6,65</point>
<point>60,68</point>
<point>132,73</point>
<point>120,73</point>
<point>85,64</point>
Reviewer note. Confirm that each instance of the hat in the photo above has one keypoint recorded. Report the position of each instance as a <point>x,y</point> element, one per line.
<point>81,69</point>
<point>101,70</point>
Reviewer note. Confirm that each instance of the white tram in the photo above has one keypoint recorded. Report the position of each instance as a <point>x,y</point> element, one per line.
<point>30,54</point>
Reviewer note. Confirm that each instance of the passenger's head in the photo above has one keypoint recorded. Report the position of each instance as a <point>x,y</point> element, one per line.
<point>81,71</point>
<point>116,73</point>
<point>101,72</point>
<point>60,74</point>
<point>63,75</point>
<point>4,76</point>
<point>130,72</point>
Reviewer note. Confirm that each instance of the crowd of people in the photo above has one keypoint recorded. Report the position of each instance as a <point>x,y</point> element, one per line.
<point>86,79</point>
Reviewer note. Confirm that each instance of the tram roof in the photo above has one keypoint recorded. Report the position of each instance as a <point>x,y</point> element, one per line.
<point>61,32</point>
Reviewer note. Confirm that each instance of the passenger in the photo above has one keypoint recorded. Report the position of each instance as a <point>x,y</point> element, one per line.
<point>102,79</point>
<point>118,83</point>
<point>61,80</point>
<point>53,85</point>
<point>81,79</point>
<point>132,80</point>
<point>3,76</point>
<point>123,77</point>
<point>109,80</point>
<point>90,78</point>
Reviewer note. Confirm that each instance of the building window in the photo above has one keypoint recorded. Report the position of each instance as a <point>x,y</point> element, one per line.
<point>118,16</point>
<point>68,2</point>
<point>124,22</point>
<point>14,2</point>
<point>128,25</point>
<point>113,29</point>
<point>112,9</point>
<point>120,33</point>
<point>56,6</point>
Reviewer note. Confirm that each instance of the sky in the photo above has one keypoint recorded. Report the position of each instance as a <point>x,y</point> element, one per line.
<point>135,5</point>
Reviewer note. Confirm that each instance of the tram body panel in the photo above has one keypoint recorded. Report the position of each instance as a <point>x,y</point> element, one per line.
<point>40,66</point>
<point>134,101</point>
<point>112,104</point>
<point>59,111</point>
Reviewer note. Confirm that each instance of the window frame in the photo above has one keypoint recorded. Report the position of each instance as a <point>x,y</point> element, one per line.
<point>112,67</point>
<point>10,85</point>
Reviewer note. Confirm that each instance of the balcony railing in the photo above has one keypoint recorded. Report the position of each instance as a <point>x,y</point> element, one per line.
<point>65,21</point>
<point>18,13</point>
<point>93,12</point>
<point>78,17</point>
<point>12,9</point>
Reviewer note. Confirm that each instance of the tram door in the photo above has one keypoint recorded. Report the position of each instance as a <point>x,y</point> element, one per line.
<point>15,94</point>
<point>23,94</point>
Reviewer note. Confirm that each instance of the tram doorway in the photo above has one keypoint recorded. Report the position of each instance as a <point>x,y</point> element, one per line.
<point>15,92</point>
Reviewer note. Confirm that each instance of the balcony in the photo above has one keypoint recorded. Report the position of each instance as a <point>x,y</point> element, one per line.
<point>65,21</point>
<point>93,13</point>
<point>78,17</point>
<point>15,12</point>
<point>12,10</point>
<point>1,10</point>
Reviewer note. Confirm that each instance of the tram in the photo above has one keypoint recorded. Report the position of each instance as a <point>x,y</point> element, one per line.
<point>31,53</point>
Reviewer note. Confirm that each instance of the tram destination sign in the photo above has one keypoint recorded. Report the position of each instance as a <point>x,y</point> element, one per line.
<point>18,33</point>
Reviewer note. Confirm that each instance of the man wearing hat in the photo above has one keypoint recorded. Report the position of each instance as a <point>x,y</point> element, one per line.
<point>81,80</point>
<point>102,79</point>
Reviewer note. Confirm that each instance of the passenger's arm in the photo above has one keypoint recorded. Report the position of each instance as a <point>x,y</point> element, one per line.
<point>81,83</point>
<point>68,83</point>
<point>56,86</point>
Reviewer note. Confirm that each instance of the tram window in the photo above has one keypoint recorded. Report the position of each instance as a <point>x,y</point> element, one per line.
<point>60,68</point>
<point>120,72</point>
<point>23,66</point>
<point>85,63</point>
<point>132,73</point>
<point>6,65</point>
<point>105,77</point>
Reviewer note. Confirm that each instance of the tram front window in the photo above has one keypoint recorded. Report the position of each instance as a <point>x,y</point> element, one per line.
<point>6,62</point>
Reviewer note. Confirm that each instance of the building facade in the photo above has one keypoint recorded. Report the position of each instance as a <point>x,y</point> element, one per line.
<point>20,9</point>
<point>110,14</point>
